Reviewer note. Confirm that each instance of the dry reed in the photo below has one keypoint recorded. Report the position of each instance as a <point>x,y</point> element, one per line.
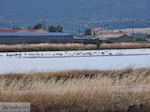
<point>79,91</point>
<point>60,47</point>
<point>125,45</point>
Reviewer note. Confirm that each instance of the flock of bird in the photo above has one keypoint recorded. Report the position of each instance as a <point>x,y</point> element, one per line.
<point>59,54</point>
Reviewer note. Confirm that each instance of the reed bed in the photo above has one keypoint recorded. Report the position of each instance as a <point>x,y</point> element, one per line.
<point>45,47</point>
<point>73,46</point>
<point>80,91</point>
<point>125,45</point>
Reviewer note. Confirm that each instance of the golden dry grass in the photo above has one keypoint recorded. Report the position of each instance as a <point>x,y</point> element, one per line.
<point>79,91</point>
<point>125,45</point>
<point>60,47</point>
<point>45,47</point>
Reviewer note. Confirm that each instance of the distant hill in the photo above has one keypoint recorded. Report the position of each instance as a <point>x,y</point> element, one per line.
<point>89,13</point>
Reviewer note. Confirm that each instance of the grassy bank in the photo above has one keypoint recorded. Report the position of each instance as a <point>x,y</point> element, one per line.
<point>80,91</point>
<point>62,47</point>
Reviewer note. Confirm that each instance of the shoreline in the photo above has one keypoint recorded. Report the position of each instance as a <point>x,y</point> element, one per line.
<point>87,56</point>
<point>77,73</point>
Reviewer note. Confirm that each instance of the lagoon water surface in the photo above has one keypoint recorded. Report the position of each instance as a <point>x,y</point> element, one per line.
<point>73,60</point>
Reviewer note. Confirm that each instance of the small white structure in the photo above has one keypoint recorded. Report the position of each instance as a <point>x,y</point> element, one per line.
<point>98,31</point>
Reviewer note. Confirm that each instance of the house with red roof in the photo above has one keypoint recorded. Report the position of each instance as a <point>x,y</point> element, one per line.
<point>23,31</point>
<point>98,31</point>
<point>110,36</point>
<point>7,31</point>
<point>33,31</point>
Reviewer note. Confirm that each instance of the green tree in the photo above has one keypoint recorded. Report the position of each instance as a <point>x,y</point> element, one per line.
<point>52,28</point>
<point>38,26</point>
<point>16,28</point>
<point>139,38</point>
<point>59,28</point>
<point>88,31</point>
<point>98,42</point>
<point>30,27</point>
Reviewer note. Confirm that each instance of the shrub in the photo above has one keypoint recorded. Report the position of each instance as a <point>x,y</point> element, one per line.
<point>139,38</point>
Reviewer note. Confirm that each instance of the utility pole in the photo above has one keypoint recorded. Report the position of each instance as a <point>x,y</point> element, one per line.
<point>44,23</point>
<point>79,29</point>
<point>132,25</point>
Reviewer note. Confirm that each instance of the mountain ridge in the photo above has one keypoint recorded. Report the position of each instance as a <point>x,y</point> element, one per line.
<point>88,13</point>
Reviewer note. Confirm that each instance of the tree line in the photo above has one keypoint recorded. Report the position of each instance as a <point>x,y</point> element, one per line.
<point>51,28</point>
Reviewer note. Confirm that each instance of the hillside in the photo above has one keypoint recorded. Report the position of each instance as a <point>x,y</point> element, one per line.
<point>70,13</point>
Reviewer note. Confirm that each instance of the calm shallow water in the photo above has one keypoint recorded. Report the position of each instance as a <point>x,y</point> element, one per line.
<point>70,60</point>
